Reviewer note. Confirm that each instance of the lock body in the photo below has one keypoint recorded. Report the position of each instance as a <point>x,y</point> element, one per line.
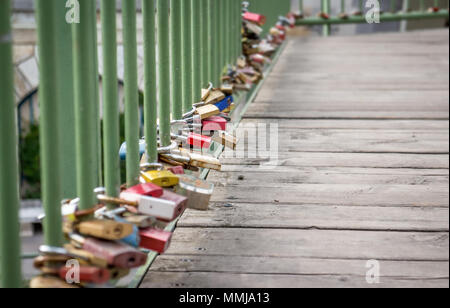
<point>162,178</point>
<point>199,141</point>
<point>177,170</point>
<point>115,253</point>
<point>256,18</point>
<point>162,208</point>
<point>214,124</point>
<point>147,189</point>
<point>50,282</point>
<point>155,240</point>
<point>207,111</point>
<point>197,191</point>
<point>105,229</point>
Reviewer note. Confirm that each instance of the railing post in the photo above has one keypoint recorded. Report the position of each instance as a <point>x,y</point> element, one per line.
<point>85,104</point>
<point>150,91</point>
<point>131,91</point>
<point>110,99</point>
<point>204,42</point>
<point>209,41</point>
<point>10,268</point>
<point>196,50</point>
<point>66,112</point>
<point>163,71</point>
<point>176,56</point>
<point>187,54</point>
<point>326,9</point>
<point>46,13</point>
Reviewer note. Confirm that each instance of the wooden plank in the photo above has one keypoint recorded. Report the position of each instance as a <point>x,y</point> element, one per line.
<point>337,194</point>
<point>329,244</point>
<point>374,125</point>
<point>352,160</point>
<point>323,217</point>
<point>254,176</point>
<point>297,266</point>
<point>231,280</point>
<point>355,141</point>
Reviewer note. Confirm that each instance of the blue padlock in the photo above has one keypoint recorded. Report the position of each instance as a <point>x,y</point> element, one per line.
<point>225,103</point>
<point>134,239</point>
<point>123,149</point>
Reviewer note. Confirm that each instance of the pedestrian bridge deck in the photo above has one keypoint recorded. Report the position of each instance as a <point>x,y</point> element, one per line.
<point>363,174</point>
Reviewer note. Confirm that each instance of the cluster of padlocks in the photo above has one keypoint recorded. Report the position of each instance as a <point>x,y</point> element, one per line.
<point>257,51</point>
<point>107,241</point>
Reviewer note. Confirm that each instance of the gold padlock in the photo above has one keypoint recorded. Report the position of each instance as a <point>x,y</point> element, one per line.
<point>201,161</point>
<point>105,229</point>
<point>215,96</point>
<point>96,261</point>
<point>225,139</point>
<point>227,89</point>
<point>207,111</point>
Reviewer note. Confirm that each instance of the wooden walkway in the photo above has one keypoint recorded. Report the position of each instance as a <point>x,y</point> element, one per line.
<point>364,158</point>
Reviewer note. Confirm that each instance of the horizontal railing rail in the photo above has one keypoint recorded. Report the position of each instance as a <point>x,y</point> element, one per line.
<point>324,17</point>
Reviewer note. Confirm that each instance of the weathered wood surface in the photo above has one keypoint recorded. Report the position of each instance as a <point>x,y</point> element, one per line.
<point>362,174</point>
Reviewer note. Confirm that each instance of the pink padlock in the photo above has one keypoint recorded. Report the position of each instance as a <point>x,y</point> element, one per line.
<point>214,123</point>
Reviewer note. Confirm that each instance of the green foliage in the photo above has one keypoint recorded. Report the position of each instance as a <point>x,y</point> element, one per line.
<point>30,164</point>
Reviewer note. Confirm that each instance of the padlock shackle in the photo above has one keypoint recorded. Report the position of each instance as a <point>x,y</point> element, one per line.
<point>111,200</point>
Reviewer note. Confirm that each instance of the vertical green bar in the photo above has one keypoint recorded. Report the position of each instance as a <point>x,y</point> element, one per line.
<point>98,136</point>
<point>326,9</point>
<point>342,6</point>
<point>110,99</point>
<point>131,91</point>
<point>196,51</point>
<point>228,31</point>
<point>66,112</point>
<point>85,104</point>
<point>209,42</point>
<point>216,40</point>
<point>176,56</point>
<point>422,5</point>
<point>163,71</point>
<point>49,88</point>
<point>301,6</point>
<point>150,92</point>
<point>204,42</point>
<point>10,267</point>
<point>187,55</point>
<point>393,3</point>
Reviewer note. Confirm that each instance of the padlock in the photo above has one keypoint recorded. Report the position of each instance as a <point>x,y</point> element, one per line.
<point>225,103</point>
<point>197,191</point>
<point>230,109</point>
<point>160,177</point>
<point>133,239</point>
<point>214,123</point>
<point>434,9</point>
<point>225,139</point>
<point>123,149</point>
<point>227,89</point>
<point>241,62</point>
<point>207,111</point>
<point>195,140</point>
<point>141,221</point>
<point>115,253</point>
<point>324,15</point>
<point>105,229</point>
<point>343,16</point>
<point>177,170</point>
<point>201,161</point>
<point>257,30</point>
<point>147,189</point>
<point>92,259</point>
<point>155,240</point>
<point>50,282</point>
<point>157,207</point>
<point>255,18</point>
<point>243,87</point>
<point>88,274</point>
<point>207,92</point>
<point>214,97</point>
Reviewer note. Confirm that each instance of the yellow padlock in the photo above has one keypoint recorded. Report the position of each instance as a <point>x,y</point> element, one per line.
<point>162,178</point>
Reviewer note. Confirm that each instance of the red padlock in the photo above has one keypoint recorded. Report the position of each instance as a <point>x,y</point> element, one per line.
<point>88,274</point>
<point>256,18</point>
<point>176,170</point>
<point>214,123</point>
<point>147,189</point>
<point>180,203</point>
<point>198,140</point>
<point>433,9</point>
<point>324,15</point>
<point>280,27</point>
<point>155,240</point>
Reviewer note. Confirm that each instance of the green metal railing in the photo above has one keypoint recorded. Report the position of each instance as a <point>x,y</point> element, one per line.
<point>438,9</point>
<point>187,43</point>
